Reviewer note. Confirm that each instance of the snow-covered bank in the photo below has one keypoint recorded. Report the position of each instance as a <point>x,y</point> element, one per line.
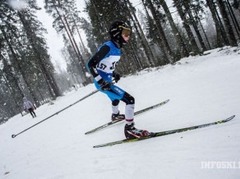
<point>201,89</point>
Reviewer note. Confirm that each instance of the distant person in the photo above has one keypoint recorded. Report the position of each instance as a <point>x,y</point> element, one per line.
<point>28,107</point>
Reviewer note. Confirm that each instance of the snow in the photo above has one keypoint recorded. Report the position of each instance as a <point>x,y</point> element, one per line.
<point>18,4</point>
<point>201,89</point>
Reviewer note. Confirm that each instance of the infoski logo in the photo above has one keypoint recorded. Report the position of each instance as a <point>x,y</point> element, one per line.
<point>220,164</point>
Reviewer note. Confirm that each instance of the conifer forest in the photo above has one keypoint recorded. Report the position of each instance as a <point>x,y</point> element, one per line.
<point>163,32</point>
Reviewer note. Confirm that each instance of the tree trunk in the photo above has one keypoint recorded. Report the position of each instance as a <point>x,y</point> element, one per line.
<point>229,29</point>
<point>181,45</point>
<point>190,35</point>
<point>234,20</point>
<point>165,45</point>
<point>194,24</point>
<point>52,86</point>
<point>13,86</point>
<point>16,64</point>
<point>158,40</point>
<point>141,35</point>
<point>79,55</point>
<point>220,31</point>
<point>73,42</point>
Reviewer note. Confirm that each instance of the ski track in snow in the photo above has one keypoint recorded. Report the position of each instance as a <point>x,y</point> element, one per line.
<point>201,89</point>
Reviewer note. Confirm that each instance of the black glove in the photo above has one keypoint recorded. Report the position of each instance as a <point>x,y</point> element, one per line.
<point>104,85</point>
<point>116,77</point>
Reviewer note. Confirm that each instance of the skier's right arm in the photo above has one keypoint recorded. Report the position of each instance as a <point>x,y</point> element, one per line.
<point>93,62</point>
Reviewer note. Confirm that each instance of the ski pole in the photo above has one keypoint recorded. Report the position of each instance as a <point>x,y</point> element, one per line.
<point>90,94</point>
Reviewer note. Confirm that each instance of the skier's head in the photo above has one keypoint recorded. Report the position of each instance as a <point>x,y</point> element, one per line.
<point>119,32</point>
<point>24,99</point>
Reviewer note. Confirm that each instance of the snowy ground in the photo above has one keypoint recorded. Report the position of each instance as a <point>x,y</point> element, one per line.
<point>201,90</point>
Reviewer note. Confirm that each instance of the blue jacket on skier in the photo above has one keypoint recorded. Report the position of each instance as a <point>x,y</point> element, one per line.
<point>102,67</point>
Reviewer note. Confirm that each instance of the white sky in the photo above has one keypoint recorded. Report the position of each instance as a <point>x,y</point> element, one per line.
<point>54,41</point>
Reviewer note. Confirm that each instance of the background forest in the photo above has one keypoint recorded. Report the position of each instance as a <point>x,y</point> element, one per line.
<point>162,34</point>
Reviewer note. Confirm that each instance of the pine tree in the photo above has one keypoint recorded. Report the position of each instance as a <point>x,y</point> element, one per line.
<point>179,5</point>
<point>27,69</point>
<point>66,16</point>
<point>179,40</point>
<point>230,33</point>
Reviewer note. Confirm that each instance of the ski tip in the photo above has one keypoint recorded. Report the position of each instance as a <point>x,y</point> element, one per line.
<point>229,118</point>
<point>167,100</point>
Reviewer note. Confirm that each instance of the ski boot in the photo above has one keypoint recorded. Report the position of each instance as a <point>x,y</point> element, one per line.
<point>118,116</point>
<point>131,132</point>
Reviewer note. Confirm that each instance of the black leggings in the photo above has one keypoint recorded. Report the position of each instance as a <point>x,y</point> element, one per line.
<point>32,112</point>
<point>127,98</point>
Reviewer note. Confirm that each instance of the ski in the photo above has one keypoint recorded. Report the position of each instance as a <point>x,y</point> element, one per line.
<point>163,133</point>
<point>136,113</point>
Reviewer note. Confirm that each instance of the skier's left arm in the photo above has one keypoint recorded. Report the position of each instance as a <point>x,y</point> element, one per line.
<point>93,62</point>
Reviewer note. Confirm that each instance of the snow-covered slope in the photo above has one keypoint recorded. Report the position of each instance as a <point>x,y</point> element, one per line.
<point>201,89</point>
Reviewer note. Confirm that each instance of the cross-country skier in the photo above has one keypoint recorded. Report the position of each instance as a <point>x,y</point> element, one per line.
<point>102,66</point>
